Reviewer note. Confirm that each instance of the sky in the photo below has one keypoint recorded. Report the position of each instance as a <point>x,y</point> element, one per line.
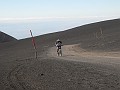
<point>17,17</point>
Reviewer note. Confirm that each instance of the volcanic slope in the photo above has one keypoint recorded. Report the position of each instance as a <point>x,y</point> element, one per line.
<point>20,70</point>
<point>6,38</point>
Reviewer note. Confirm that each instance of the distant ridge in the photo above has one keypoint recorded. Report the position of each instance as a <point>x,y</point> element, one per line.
<point>6,38</point>
<point>104,35</point>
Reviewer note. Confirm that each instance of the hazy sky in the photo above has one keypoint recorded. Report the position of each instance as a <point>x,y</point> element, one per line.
<point>43,16</point>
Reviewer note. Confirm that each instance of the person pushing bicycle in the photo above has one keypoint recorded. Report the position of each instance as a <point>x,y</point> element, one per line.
<point>58,44</point>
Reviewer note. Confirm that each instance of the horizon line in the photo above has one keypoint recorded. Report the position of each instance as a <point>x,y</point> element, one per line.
<point>52,18</point>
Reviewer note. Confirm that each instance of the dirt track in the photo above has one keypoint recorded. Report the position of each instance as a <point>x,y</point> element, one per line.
<point>74,52</point>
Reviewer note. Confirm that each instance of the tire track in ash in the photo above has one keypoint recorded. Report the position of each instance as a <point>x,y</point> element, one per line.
<point>13,78</point>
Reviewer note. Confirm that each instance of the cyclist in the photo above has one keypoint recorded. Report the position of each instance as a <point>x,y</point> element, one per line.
<point>58,44</point>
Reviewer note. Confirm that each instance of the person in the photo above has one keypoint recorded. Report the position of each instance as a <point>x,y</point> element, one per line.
<point>58,44</point>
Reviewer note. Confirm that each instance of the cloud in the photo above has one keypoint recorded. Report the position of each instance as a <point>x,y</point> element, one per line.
<point>31,19</point>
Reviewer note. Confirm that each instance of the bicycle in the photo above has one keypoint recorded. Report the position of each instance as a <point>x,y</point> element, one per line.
<point>59,52</point>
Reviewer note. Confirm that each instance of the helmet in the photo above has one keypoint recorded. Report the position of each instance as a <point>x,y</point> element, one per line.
<point>58,39</point>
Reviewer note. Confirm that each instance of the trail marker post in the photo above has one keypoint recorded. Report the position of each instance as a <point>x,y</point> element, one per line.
<point>34,44</point>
